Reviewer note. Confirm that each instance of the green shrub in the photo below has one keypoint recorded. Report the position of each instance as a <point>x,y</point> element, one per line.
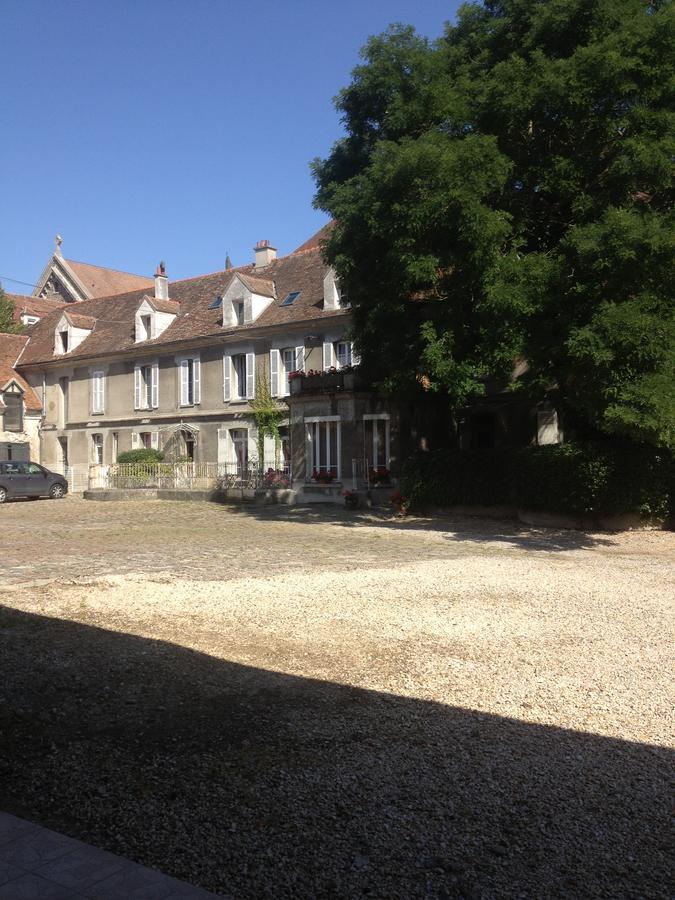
<point>140,456</point>
<point>589,479</point>
<point>455,477</point>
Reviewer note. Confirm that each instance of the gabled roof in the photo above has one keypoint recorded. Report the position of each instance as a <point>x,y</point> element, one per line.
<point>79,320</point>
<point>89,281</point>
<point>115,315</point>
<point>262,286</point>
<point>314,243</point>
<point>32,306</point>
<point>11,346</point>
<point>100,281</point>
<point>165,306</point>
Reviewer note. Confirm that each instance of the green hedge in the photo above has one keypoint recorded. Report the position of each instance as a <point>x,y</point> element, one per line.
<point>140,456</point>
<point>588,479</point>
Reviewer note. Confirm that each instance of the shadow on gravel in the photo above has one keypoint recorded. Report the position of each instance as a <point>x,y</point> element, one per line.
<point>454,528</point>
<point>259,784</point>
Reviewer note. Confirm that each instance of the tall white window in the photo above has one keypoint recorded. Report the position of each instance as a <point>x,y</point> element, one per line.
<point>239,376</point>
<point>376,437</point>
<point>97,448</point>
<point>239,371</point>
<point>343,352</point>
<point>190,381</point>
<point>282,363</point>
<point>98,392</point>
<point>146,386</point>
<point>239,438</point>
<point>324,448</point>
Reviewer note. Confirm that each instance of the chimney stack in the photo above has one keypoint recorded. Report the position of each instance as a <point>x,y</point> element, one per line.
<point>161,283</point>
<point>264,254</point>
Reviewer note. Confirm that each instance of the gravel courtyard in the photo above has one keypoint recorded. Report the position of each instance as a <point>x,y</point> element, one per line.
<point>280,703</point>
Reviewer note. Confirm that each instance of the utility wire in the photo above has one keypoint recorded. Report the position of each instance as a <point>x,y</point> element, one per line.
<point>16,281</point>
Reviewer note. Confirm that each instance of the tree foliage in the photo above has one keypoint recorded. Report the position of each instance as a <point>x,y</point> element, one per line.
<point>267,414</point>
<point>506,193</point>
<point>7,323</point>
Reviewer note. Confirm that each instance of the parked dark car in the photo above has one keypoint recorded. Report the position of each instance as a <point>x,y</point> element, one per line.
<point>28,479</point>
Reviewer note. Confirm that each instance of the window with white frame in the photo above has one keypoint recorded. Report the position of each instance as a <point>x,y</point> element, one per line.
<point>190,381</point>
<point>146,385</point>
<point>339,355</point>
<point>97,448</point>
<point>238,376</point>
<point>376,442</point>
<point>282,364</point>
<point>98,391</point>
<point>323,448</point>
<point>239,438</point>
<point>148,440</point>
<point>29,320</point>
<point>343,353</point>
<point>63,341</point>
<point>145,331</point>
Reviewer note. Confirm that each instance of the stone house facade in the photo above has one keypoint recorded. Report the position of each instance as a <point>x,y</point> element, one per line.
<point>176,369</point>
<point>20,406</point>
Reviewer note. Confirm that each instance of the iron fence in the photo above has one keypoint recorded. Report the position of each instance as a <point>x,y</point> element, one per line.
<point>189,476</point>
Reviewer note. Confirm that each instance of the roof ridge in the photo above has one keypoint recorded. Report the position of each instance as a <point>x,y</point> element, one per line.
<point>81,262</point>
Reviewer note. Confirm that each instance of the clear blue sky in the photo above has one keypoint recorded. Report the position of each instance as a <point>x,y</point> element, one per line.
<point>143,130</point>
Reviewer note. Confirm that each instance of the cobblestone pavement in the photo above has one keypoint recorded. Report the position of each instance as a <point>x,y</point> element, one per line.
<point>313,703</point>
<point>80,539</point>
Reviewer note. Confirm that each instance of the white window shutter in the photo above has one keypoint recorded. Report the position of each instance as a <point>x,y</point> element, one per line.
<point>184,376</point>
<point>137,386</point>
<point>154,440</point>
<point>197,376</point>
<point>227,378</point>
<point>328,355</point>
<point>274,372</point>
<point>222,445</point>
<point>299,359</point>
<point>154,387</point>
<point>250,376</point>
<point>356,359</point>
<point>135,442</point>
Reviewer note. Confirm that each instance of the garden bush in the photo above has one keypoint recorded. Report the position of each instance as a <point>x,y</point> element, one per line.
<point>589,479</point>
<point>140,456</point>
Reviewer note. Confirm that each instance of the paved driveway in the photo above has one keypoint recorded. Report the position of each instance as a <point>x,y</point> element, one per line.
<point>282,703</point>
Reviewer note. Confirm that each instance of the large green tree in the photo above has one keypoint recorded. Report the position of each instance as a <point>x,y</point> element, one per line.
<point>505,193</point>
<point>7,323</point>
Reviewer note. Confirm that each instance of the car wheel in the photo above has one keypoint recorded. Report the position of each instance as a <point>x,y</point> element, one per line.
<point>56,491</point>
<point>3,494</point>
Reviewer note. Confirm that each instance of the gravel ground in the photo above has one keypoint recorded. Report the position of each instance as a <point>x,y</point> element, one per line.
<point>281,703</point>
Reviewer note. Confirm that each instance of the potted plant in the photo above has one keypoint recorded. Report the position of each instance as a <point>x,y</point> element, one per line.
<point>400,503</point>
<point>322,477</point>
<point>351,499</point>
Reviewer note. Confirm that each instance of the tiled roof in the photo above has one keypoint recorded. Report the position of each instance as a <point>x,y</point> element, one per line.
<point>262,286</point>
<point>166,306</point>
<point>33,306</point>
<point>11,346</point>
<point>314,243</point>
<point>79,320</point>
<point>102,282</point>
<point>114,330</point>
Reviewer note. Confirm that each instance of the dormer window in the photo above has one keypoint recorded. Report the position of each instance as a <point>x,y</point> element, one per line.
<point>245,299</point>
<point>146,327</point>
<point>70,331</point>
<point>153,317</point>
<point>239,312</point>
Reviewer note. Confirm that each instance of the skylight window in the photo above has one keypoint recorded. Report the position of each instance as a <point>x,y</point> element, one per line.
<point>291,298</point>
<point>216,303</point>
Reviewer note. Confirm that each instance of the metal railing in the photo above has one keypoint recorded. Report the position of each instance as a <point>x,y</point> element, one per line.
<point>188,476</point>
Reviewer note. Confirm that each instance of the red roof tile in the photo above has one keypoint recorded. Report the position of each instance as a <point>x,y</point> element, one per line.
<point>11,346</point>
<point>114,316</point>
<point>102,282</point>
